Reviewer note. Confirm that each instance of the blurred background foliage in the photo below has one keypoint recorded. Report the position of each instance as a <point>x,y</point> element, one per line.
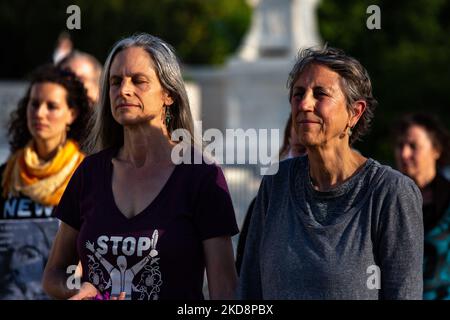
<point>202,31</point>
<point>408,59</point>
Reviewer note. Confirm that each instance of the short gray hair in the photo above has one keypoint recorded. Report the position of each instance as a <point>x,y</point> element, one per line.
<point>355,81</point>
<point>106,132</point>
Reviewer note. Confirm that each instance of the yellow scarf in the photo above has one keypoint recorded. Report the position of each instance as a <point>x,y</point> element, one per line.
<point>42,181</point>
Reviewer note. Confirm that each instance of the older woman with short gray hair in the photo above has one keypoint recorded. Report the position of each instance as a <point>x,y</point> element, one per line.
<point>333,224</point>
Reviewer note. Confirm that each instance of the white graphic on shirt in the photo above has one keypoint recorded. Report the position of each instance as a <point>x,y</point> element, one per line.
<point>121,278</point>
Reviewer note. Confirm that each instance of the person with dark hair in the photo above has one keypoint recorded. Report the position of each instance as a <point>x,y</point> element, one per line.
<point>44,136</point>
<point>144,227</point>
<point>333,224</point>
<point>422,147</point>
<point>88,69</point>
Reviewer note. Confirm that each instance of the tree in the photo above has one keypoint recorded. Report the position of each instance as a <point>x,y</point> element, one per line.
<point>408,58</point>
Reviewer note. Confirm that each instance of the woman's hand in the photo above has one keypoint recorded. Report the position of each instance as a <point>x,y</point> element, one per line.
<point>87,291</point>
<point>120,297</point>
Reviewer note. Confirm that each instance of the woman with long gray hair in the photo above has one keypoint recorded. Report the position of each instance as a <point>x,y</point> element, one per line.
<point>333,224</point>
<point>143,227</point>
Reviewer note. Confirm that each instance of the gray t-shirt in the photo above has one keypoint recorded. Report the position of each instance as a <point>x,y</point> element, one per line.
<point>340,244</point>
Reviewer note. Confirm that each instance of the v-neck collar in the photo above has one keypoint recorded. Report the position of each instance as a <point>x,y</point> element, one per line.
<point>151,207</point>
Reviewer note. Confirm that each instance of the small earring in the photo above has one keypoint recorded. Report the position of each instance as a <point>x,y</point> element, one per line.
<point>168,116</point>
<point>350,132</point>
<point>67,128</point>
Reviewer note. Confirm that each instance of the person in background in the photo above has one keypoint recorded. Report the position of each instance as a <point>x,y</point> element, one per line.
<point>291,148</point>
<point>333,224</point>
<point>143,227</point>
<point>422,146</point>
<point>64,47</point>
<point>45,132</point>
<point>87,68</point>
<point>44,135</point>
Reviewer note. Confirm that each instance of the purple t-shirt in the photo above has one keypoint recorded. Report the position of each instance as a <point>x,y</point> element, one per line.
<point>157,254</point>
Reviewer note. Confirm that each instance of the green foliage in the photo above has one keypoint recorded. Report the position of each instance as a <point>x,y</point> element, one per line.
<point>202,31</point>
<point>408,58</point>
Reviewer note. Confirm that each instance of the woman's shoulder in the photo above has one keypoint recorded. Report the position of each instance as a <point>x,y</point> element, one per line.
<point>288,166</point>
<point>199,177</point>
<point>300,162</point>
<point>391,181</point>
<point>96,163</point>
<point>387,173</point>
<point>284,173</point>
<point>99,157</point>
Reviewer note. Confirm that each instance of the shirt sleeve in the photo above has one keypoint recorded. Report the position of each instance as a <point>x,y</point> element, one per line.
<point>214,214</point>
<point>249,287</point>
<point>68,209</point>
<point>400,249</point>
